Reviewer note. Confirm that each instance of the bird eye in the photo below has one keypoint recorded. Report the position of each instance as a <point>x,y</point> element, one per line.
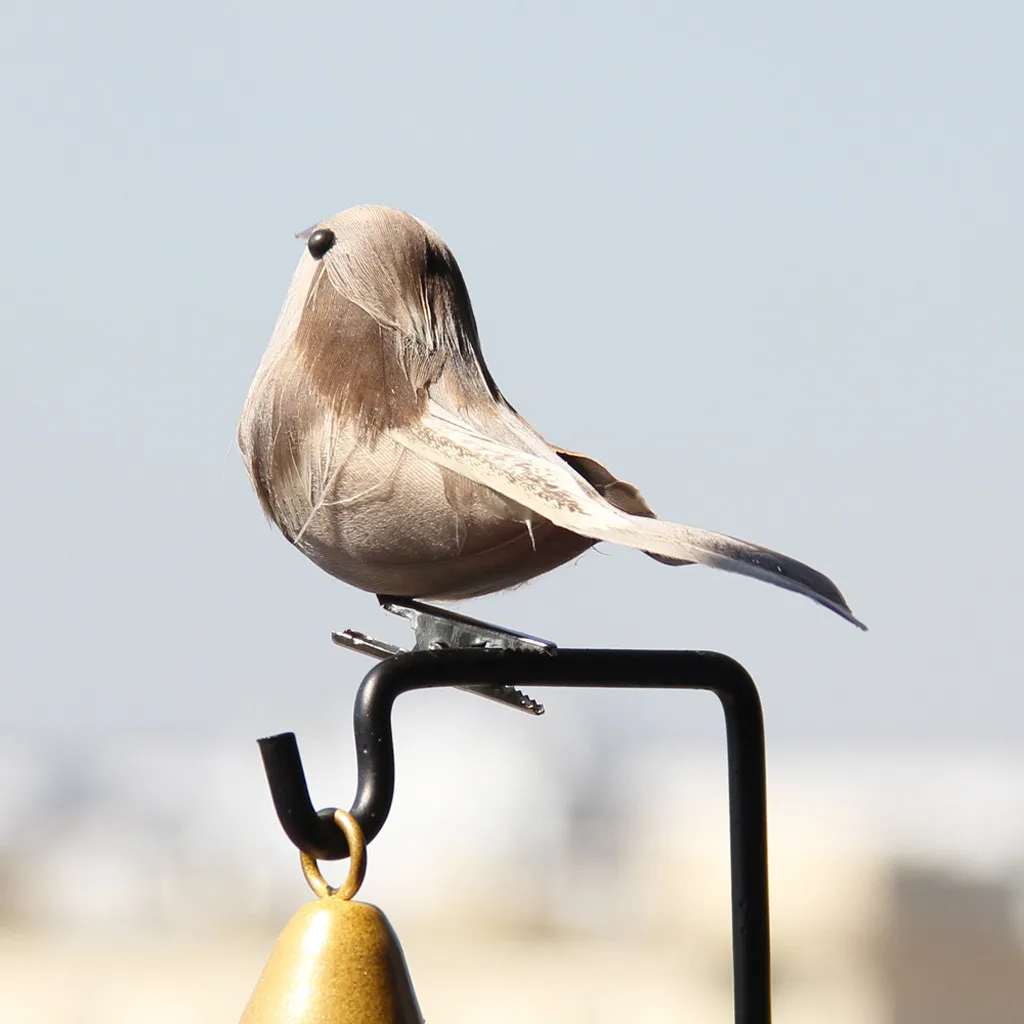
<point>320,243</point>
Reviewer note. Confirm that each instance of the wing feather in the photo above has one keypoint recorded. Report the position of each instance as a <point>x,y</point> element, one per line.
<point>549,487</point>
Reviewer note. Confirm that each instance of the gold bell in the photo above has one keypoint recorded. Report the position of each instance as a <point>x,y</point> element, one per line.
<point>336,961</point>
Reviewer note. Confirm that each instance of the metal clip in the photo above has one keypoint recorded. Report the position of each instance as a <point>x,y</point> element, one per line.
<point>439,629</point>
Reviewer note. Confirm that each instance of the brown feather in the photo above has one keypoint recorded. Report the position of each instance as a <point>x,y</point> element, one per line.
<point>353,364</point>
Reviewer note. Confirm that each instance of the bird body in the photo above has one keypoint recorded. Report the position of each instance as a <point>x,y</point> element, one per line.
<point>380,445</point>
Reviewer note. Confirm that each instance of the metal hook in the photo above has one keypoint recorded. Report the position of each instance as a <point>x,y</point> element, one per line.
<point>317,834</point>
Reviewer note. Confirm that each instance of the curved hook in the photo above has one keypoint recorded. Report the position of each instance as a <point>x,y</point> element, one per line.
<point>316,832</point>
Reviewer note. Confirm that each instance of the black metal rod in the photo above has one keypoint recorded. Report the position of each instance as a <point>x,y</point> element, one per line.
<point>748,852</point>
<point>317,834</point>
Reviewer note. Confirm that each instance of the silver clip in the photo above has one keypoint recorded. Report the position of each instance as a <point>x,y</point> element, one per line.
<point>436,629</point>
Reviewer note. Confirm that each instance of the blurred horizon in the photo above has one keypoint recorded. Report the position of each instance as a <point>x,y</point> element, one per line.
<point>599,874</point>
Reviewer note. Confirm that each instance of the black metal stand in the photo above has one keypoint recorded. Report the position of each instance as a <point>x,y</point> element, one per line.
<point>317,834</point>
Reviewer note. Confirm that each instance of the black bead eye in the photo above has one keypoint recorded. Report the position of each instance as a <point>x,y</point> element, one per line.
<point>320,242</point>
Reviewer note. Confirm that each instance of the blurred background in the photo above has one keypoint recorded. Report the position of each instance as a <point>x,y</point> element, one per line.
<point>763,261</point>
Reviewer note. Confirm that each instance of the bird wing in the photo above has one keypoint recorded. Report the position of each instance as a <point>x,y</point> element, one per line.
<point>545,483</point>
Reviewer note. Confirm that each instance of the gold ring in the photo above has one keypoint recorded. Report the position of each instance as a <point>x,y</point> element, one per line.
<point>356,864</point>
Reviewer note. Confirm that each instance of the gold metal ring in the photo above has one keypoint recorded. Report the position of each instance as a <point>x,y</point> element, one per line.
<point>356,864</point>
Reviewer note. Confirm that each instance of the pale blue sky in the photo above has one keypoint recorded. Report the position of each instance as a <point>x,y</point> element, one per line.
<point>764,261</point>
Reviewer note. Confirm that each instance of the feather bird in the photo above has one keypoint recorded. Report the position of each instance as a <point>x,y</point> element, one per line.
<point>380,445</point>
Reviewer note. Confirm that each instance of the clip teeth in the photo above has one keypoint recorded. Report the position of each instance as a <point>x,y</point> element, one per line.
<point>507,695</point>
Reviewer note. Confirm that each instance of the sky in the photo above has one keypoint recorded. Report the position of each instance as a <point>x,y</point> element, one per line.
<point>762,261</point>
